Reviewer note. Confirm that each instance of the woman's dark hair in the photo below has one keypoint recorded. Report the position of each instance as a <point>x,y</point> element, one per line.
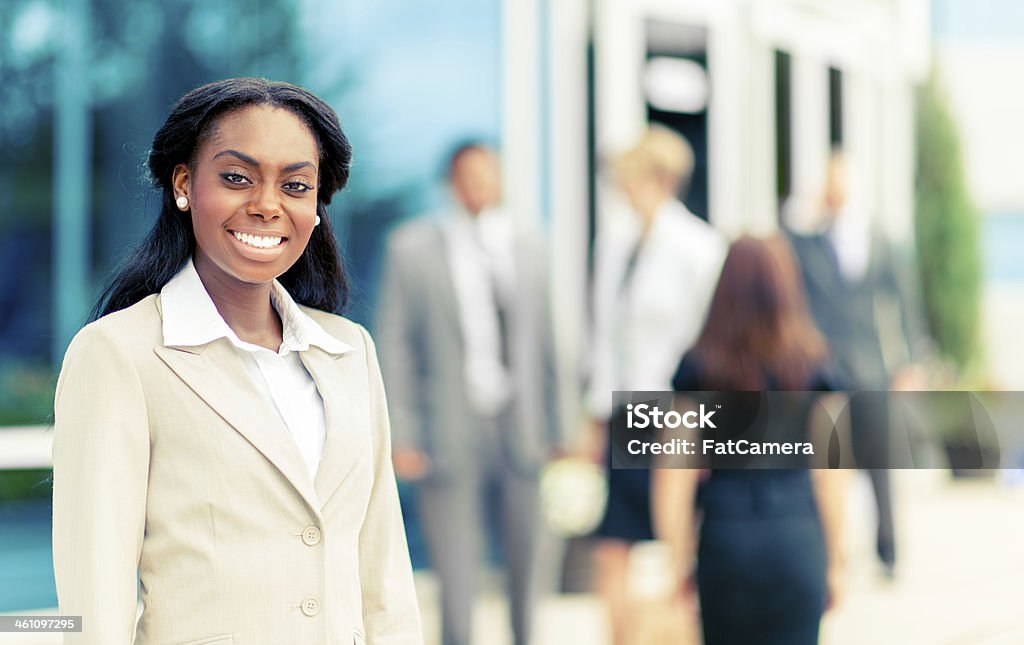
<point>759,333</point>
<point>317,279</point>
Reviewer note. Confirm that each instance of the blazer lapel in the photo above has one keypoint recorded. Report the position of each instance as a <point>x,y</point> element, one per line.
<point>217,374</point>
<point>446,301</point>
<point>824,266</point>
<point>347,417</point>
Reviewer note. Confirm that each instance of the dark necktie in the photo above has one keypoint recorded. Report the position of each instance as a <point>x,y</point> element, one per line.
<point>501,309</point>
<point>634,257</point>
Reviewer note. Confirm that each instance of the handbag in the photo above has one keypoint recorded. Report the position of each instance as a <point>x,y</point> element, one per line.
<point>573,496</point>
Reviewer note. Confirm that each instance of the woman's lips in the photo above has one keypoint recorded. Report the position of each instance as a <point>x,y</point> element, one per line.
<point>258,247</point>
<point>259,240</point>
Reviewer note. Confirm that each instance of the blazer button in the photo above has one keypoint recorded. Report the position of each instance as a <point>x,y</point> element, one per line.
<point>311,535</point>
<point>311,606</point>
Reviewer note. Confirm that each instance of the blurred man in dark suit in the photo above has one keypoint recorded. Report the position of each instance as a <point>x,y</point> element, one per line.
<point>857,296</point>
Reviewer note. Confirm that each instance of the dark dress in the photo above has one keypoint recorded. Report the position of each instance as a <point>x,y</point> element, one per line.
<point>627,515</point>
<point>761,557</point>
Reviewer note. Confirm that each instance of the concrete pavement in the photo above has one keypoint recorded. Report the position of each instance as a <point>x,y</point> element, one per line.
<point>960,579</point>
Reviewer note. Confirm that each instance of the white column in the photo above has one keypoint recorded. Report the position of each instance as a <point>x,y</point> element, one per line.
<point>620,50</point>
<point>860,128</point>
<point>762,201</point>
<point>568,227</point>
<point>521,108</point>
<point>729,132</point>
<point>897,127</point>
<point>72,165</point>
<point>810,127</point>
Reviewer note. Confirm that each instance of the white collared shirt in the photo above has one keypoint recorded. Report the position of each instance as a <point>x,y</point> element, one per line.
<point>481,257</point>
<point>850,236</point>
<point>191,319</point>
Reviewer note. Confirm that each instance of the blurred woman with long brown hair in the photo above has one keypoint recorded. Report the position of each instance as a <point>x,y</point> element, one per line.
<point>768,556</point>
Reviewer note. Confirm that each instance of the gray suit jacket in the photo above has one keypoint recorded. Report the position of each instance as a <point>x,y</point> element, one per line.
<point>873,327</point>
<point>423,354</point>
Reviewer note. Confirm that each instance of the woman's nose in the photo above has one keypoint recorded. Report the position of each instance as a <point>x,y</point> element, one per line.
<point>266,202</point>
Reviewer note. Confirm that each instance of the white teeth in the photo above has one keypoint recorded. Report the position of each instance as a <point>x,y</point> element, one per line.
<point>257,241</point>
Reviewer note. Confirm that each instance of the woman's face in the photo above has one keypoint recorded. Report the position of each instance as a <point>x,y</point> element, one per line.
<point>252,194</point>
<point>645,195</point>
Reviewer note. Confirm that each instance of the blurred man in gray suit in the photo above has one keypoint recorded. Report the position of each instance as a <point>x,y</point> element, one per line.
<point>466,350</point>
<point>860,301</point>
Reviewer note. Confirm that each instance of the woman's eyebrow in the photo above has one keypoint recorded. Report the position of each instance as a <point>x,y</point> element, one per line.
<point>240,155</point>
<point>295,166</point>
<point>256,164</point>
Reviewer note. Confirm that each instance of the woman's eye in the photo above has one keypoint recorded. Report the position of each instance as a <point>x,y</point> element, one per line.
<point>234,178</point>
<point>297,187</point>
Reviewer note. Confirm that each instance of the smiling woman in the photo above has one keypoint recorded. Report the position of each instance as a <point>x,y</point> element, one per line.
<point>253,206</point>
<point>193,134</point>
<point>221,439</point>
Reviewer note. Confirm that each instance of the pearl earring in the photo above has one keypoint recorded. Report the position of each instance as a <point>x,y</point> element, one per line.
<point>316,222</point>
<point>182,202</point>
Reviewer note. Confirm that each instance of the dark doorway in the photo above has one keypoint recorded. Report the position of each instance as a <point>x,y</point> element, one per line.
<point>682,42</point>
<point>835,107</point>
<point>783,128</point>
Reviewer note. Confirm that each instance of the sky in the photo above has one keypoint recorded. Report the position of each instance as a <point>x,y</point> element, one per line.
<point>978,19</point>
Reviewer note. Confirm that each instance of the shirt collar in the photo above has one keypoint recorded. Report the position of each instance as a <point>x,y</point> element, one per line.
<point>490,227</point>
<point>191,319</point>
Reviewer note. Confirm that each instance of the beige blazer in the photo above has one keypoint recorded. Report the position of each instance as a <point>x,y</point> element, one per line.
<point>169,466</point>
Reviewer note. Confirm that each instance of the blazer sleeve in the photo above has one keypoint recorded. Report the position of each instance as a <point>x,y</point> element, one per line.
<point>390,611</point>
<point>900,279</point>
<point>394,328</point>
<point>100,471</point>
<point>558,436</point>
<point>597,397</point>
